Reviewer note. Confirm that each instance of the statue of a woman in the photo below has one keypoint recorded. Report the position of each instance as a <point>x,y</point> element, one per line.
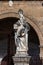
<point>21,35</point>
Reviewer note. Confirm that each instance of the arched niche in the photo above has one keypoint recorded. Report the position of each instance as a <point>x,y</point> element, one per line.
<point>28,19</point>
<point>34,30</point>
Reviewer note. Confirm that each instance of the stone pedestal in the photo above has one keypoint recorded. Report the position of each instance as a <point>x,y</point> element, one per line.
<point>21,60</point>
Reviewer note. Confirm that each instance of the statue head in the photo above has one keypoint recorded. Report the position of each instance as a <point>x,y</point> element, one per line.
<point>20,12</point>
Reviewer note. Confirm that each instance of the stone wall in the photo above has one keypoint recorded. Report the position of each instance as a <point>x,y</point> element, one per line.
<point>33,12</point>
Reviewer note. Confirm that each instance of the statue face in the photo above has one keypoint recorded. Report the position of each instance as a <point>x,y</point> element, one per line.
<point>20,11</point>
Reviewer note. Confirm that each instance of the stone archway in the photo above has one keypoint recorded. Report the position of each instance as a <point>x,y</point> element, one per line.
<point>28,19</point>
<point>33,24</point>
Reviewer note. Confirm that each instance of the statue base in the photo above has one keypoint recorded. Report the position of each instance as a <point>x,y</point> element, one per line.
<point>21,59</point>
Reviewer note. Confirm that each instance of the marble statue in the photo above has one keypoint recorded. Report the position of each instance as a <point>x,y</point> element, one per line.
<point>21,34</point>
<point>21,40</point>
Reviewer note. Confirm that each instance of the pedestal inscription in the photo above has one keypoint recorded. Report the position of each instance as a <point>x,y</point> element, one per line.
<point>21,40</point>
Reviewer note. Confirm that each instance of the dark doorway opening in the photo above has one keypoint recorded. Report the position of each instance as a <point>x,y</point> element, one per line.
<point>6,31</point>
<point>6,28</point>
<point>33,47</point>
